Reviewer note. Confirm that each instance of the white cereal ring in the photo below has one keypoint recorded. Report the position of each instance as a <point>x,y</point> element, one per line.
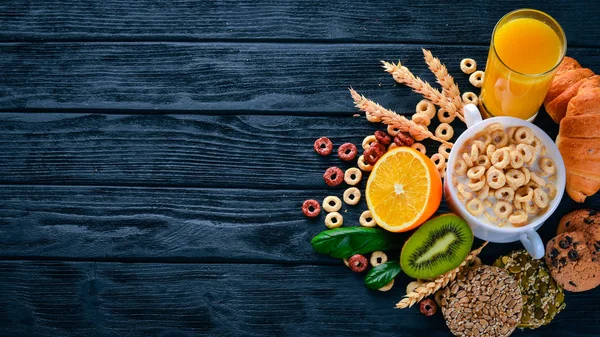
<point>516,159</point>
<point>537,179</point>
<point>524,194</point>
<point>476,184</point>
<point>366,219</point>
<point>499,138</point>
<point>515,178</point>
<point>503,209</point>
<point>352,196</point>
<point>378,258</point>
<point>363,165</point>
<point>467,159</point>
<point>468,66</point>
<point>332,204</point>
<point>475,207</point>
<point>476,172</point>
<point>484,161</point>
<point>334,220</point>
<point>352,176</point>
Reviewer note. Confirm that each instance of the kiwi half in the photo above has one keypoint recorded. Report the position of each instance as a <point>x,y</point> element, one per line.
<point>436,247</point>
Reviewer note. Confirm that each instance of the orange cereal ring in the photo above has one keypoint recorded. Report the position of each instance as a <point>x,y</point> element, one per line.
<point>505,193</point>
<point>444,131</point>
<point>426,107</point>
<point>501,158</point>
<point>460,167</point>
<point>419,147</point>
<point>524,135</point>
<point>476,79</point>
<point>495,178</point>
<point>475,207</point>
<point>470,98</point>
<point>516,159</point>
<point>468,66</point>
<point>476,172</point>
<point>540,198</point>
<point>444,116</point>
<point>503,209</point>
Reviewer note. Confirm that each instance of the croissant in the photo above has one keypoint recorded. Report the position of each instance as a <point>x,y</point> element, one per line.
<point>574,101</point>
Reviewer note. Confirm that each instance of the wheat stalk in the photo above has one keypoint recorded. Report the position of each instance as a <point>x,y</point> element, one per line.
<point>449,87</point>
<point>402,75</point>
<point>440,282</point>
<point>389,117</point>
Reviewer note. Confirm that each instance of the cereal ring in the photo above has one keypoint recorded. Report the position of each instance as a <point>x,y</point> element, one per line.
<point>517,204</point>
<point>510,132</point>
<point>505,193</point>
<point>483,192</point>
<point>475,207</point>
<point>366,219</point>
<point>490,217</point>
<point>419,147</point>
<point>503,209</point>
<point>495,178</point>
<point>382,137</point>
<point>537,145</point>
<point>347,152</point>
<point>403,140</point>
<point>551,191</point>
<point>460,167</point>
<point>311,208</point>
<point>530,207</point>
<point>518,218</point>
<point>332,203</point>
<point>488,203</point>
<point>442,171</point>
<point>444,131</point>
<point>484,161</point>
<point>377,258</point>
<point>333,176</point>
<point>392,146</point>
<point>494,127</point>
<point>516,159</point>
<point>476,184</point>
<point>418,133</point>
<point>467,159</point>
<point>476,172</point>
<point>468,66</point>
<point>426,107</point>
<point>334,220</point>
<point>470,98</point>
<point>421,119</point>
<point>371,118</point>
<point>366,143</point>
<point>438,160</point>
<point>547,165</point>
<point>527,174</point>
<point>444,150</point>
<point>462,190</point>
<point>352,176</point>
<point>524,194</point>
<point>444,116</point>
<point>515,178</point>
<point>537,179</point>
<point>526,151</point>
<point>454,179</point>
<point>524,135</point>
<point>352,196</point>
<point>392,130</point>
<point>323,146</point>
<point>372,155</point>
<point>490,149</point>
<point>362,165</point>
<point>480,145</point>
<point>474,153</point>
<point>380,146</point>
<point>476,79</point>
<point>501,158</point>
<point>499,138</point>
<point>387,286</point>
<point>540,198</point>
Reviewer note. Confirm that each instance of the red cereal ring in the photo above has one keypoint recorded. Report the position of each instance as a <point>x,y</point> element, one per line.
<point>311,208</point>
<point>358,263</point>
<point>323,146</point>
<point>372,154</point>
<point>347,152</point>
<point>403,140</point>
<point>380,146</point>
<point>333,176</point>
<point>383,137</point>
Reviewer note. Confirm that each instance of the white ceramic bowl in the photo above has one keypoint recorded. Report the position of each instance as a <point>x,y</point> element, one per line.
<point>482,229</point>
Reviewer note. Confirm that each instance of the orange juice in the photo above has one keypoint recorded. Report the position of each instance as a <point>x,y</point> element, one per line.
<point>522,61</point>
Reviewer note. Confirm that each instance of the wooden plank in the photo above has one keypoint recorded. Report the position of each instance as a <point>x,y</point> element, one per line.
<point>365,21</point>
<point>217,77</point>
<point>113,299</point>
<point>179,224</point>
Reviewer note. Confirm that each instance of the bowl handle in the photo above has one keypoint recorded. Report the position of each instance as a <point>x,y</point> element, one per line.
<point>533,243</point>
<point>472,115</point>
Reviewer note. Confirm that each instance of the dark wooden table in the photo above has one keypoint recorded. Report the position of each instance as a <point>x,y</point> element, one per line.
<point>154,156</point>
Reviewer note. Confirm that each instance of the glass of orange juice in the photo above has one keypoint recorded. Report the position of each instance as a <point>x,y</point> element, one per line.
<point>527,47</point>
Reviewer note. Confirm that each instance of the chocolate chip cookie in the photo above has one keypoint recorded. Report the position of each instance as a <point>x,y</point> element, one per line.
<point>570,260</point>
<point>579,220</point>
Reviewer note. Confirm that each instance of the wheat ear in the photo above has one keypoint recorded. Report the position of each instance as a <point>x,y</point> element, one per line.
<point>389,117</point>
<point>449,87</point>
<point>440,282</point>
<point>402,75</point>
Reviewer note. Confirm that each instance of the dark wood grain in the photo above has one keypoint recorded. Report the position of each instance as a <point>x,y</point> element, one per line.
<point>217,77</point>
<point>365,21</point>
<point>113,299</point>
